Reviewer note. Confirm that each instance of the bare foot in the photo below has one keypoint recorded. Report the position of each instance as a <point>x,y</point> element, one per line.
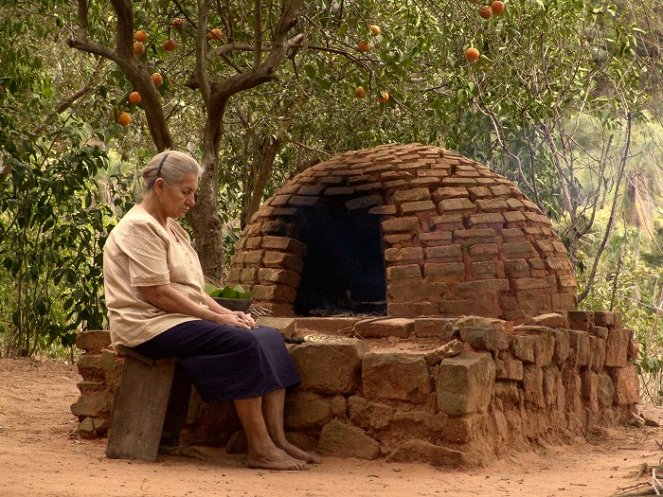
<point>297,453</point>
<point>278,460</point>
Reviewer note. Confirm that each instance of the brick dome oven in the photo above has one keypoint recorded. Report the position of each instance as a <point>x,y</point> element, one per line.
<point>403,230</point>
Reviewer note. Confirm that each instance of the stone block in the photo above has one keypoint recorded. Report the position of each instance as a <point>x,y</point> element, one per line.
<point>93,341</point>
<point>488,339</point>
<point>369,415</point>
<point>395,376</point>
<point>518,250</point>
<point>413,207</point>
<point>411,195</point>
<point>562,346</point>
<point>304,410</point>
<point>455,205</point>
<point>330,367</point>
<point>597,352</point>
<point>616,348</point>
<point>509,369</point>
<point>426,452</point>
<point>606,318</point>
<point>399,224</point>
<point>338,439</point>
<point>627,385</point>
<point>279,293</point>
<point>516,268</point>
<point>363,202</point>
<point>533,385</point>
<point>403,272</point>
<point>381,328</point>
<point>459,429</point>
<point>93,404</point>
<point>279,276</point>
<point>442,328</point>
<point>286,326</point>
<point>465,383</point>
<point>581,320</point>
<point>605,390</point>
<point>579,341</point>
<point>447,192</point>
<point>435,238</point>
<point>522,347</point>
<point>445,271</point>
<point>551,320</point>
<point>412,309</point>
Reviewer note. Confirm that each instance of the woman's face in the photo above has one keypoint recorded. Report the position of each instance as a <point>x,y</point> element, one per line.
<point>178,198</point>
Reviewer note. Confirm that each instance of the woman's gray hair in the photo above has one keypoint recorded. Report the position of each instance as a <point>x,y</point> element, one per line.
<point>170,165</point>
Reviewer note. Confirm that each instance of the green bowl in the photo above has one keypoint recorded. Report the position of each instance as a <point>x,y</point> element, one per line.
<point>234,304</point>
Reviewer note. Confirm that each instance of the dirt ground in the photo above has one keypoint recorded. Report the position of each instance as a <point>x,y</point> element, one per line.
<point>39,456</point>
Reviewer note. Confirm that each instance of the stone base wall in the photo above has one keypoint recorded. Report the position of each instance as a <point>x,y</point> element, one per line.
<point>447,391</point>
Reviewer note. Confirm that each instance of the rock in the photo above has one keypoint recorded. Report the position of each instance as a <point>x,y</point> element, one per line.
<point>93,341</point>
<point>551,320</point>
<point>616,348</point>
<point>309,410</point>
<point>285,326</point>
<point>442,328</point>
<point>317,360</point>
<point>488,339</point>
<point>522,347</point>
<point>397,376</point>
<point>373,415</point>
<point>380,328</point>
<point>422,451</point>
<point>465,383</point>
<point>636,420</point>
<point>579,341</point>
<point>627,385</point>
<point>339,439</point>
<point>450,349</point>
<point>605,391</point>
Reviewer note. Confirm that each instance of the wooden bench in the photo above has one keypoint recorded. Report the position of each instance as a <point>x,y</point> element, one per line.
<point>149,407</point>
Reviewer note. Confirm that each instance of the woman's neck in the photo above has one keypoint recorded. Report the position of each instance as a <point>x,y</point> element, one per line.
<point>151,204</point>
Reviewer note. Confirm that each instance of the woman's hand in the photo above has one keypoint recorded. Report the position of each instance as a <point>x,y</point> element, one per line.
<point>232,319</point>
<point>245,318</point>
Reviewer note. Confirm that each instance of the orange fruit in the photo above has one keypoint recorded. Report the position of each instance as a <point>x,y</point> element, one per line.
<point>497,7</point>
<point>375,29</point>
<point>169,45</point>
<point>360,92</point>
<point>134,97</point>
<point>139,48</point>
<point>384,97</point>
<point>140,35</point>
<point>215,34</point>
<point>486,12</point>
<point>364,46</point>
<point>472,54</point>
<point>177,23</point>
<point>157,79</point>
<point>124,119</point>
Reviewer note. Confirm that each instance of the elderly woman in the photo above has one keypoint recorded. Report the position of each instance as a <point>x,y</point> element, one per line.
<point>157,305</point>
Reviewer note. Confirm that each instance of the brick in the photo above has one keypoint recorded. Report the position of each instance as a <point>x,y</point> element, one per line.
<point>436,238</point>
<point>399,224</point>
<point>597,350</point>
<point>412,194</point>
<point>303,201</point>
<point>248,276</point>
<point>512,234</point>
<point>310,189</point>
<point>579,342</point>
<point>398,240</point>
<point>446,253</point>
<point>481,270</point>
<point>274,292</point>
<point>448,222</point>
<point>445,271</point>
<point>513,217</point>
<point>254,257</point>
<point>283,276</point>
<point>518,250</point>
<point>528,283</point>
<point>500,190</point>
<point>515,204</point>
<point>522,347</point>
<point>455,204</point>
<point>478,192</point>
<point>405,271</point>
<point>340,190</point>
<point>472,236</point>
<point>284,243</point>
<point>253,242</point>
<point>492,205</point>
<point>480,249</point>
<point>480,289</point>
<point>363,202</point>
<point>566,280</point>
<point>423,205</point>
<point>490,219</point>
<point>459,182</point>
<point>516,268</point>
<point>450,192</point>
<point>282,260</point>
<point>406,254</point>
<point>383,210</point>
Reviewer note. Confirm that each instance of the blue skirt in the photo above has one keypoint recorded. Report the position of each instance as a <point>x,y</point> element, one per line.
<point>224,362</point>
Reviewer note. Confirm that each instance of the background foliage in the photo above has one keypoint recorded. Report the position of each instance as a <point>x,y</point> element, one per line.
<point>564,101</point>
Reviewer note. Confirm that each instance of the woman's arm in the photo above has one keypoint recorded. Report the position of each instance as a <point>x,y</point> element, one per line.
<point>167,298</point>
<point>215,306</point>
